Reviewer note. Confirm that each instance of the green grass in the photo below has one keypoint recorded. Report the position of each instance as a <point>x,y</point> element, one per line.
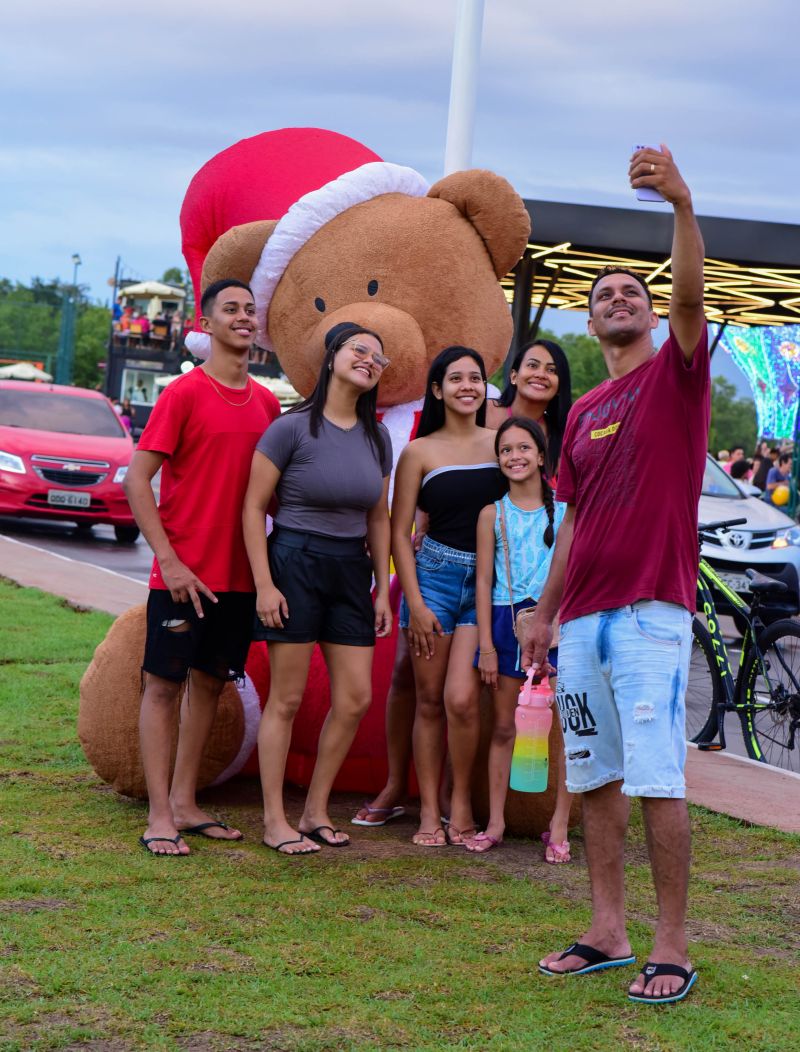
<point>376,946</point>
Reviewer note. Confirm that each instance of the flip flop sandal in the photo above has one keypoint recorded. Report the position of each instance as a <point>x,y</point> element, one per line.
<point>291,854</point>
<point>429,839</point>
<point>483,838</point>
<point>201,831</point>
<point>596,960</point>
<point>557,854</point>
<point>463,835</point>
<point>390,812</point>
<point>145,841</point>
<point>316,835</point>
<point>652,971</point>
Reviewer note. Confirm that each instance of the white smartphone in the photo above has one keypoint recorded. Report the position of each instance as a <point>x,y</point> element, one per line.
<point>647,193</point>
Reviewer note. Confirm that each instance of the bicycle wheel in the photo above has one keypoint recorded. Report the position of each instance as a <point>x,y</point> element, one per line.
<point>703,689</point>
<point>769,707</point>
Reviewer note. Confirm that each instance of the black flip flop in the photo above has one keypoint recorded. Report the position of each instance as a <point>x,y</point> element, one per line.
<point>144,841</point>
<point>317,837</point>
<point>652,971</point>
<point>596,960</point>
<point>290,854</point>
<point>200,831</point>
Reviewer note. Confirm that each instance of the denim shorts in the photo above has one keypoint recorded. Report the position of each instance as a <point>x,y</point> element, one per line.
<point>505,642</point>
<point>622,678</point>
<point>446,578</point>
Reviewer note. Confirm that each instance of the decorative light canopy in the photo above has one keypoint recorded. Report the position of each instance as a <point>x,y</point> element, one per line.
<point>769,356</point>
<point>735,292</point>
<point>752,286</point>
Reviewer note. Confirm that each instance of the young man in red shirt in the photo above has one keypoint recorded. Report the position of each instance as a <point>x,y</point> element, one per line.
<point>624,576</point>
<point>201,608</point>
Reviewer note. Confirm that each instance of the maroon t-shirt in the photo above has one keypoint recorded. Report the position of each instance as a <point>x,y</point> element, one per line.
<point>632,463</point>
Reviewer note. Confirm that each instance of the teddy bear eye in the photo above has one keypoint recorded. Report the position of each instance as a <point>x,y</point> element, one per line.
<point>372,288</point>
<point>319,303</point>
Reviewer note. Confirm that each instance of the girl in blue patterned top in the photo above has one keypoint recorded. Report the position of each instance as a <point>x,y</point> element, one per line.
<point>530,518</point>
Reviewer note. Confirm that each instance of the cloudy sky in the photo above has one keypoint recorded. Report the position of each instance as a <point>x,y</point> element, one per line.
<point>109,109</point>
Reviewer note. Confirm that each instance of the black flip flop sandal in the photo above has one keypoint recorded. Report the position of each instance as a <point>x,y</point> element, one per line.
<point>145,841</point>
<point>652,971</point>
<point>200,831</point>
<point>596,960</point>
<point>317,837</point>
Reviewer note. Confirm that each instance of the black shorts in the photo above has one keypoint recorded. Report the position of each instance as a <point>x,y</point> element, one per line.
<point>216,643</point>
<point>327,583</point>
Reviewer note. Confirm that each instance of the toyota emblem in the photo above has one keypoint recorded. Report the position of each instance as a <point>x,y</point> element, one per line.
<point>738,540</point>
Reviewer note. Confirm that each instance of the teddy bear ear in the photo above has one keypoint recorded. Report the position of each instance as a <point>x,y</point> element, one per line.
<point>236,252</point>
<point>494,208</point>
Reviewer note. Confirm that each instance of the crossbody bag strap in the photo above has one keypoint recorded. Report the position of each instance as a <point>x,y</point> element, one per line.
<point>504,538</point>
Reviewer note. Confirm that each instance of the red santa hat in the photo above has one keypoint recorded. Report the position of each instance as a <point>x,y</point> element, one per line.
<point>301,176</point>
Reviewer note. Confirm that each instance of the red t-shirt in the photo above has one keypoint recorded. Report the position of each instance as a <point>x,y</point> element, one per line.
<point>209,447</point>
<point>632,463</point>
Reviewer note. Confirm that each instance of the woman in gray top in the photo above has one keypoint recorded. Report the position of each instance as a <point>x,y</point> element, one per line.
<point>327,461</point>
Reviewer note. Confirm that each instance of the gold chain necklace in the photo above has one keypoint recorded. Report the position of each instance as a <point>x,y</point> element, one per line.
<point>236,405</point>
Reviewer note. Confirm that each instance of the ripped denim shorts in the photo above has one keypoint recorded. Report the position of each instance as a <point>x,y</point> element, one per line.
<point>622,678</point>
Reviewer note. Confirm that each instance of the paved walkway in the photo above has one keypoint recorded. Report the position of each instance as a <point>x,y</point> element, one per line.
<point>720,782</point>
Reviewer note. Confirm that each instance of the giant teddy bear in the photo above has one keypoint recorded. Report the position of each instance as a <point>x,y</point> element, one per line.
<point>324,231</point>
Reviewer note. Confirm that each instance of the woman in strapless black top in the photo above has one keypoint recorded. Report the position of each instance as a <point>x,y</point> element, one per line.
<point>450,471</point>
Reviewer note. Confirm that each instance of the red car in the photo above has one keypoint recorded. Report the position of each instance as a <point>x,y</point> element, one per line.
<point>63,455</point>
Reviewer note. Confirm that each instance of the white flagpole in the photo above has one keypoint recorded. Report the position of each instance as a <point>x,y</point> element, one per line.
<point>463,85</point>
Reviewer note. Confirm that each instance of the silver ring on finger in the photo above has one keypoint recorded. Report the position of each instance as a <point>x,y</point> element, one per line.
<point>652,168</point>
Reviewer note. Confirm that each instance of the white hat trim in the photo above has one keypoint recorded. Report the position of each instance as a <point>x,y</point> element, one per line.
<point>199,343</point>
<point>312,212</point>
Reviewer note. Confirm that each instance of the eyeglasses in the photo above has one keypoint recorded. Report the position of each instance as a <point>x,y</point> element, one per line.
<point>361,349</point>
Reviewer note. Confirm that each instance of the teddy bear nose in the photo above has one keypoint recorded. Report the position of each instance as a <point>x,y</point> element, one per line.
<point>402,339</point>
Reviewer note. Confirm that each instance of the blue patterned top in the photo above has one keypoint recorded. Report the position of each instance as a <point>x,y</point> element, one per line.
<point>529,555</point>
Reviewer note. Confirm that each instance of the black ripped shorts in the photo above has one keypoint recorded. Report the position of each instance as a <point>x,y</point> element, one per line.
<point>179,640</point>
<point>327,584</point>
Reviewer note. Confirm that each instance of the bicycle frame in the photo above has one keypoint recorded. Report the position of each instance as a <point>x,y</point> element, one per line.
<point>707,579</point>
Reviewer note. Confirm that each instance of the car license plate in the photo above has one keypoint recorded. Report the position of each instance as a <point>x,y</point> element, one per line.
<point>63,498</point>
<point>736,582</point>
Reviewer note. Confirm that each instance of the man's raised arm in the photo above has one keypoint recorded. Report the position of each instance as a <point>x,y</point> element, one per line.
<point>659,171</point>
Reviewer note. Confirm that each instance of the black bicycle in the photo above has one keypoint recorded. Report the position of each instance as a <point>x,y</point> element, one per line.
<point>765,691</point>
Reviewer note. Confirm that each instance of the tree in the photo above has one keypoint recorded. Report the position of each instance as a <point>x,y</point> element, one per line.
<point>586,364</point>
<point>173,276</point>
<point>91,340</point>
<point>733,419</point>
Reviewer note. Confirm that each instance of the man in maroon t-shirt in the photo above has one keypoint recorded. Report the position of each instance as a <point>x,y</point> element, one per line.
<point>623,580</point>
<point>201,609</point>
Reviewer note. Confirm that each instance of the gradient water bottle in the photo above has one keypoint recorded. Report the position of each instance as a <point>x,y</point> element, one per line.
<point>533,717</point>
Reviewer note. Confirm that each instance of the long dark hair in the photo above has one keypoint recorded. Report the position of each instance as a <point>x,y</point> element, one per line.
<point>537,435</point>
<point>557,409</point>
<point>366,404</point>
<point>432,415</point>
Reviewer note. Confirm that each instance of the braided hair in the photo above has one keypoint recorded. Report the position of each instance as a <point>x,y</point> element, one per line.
<point>537,435</point>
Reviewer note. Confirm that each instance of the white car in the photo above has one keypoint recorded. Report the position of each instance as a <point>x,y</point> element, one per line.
<point>769,541</point>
